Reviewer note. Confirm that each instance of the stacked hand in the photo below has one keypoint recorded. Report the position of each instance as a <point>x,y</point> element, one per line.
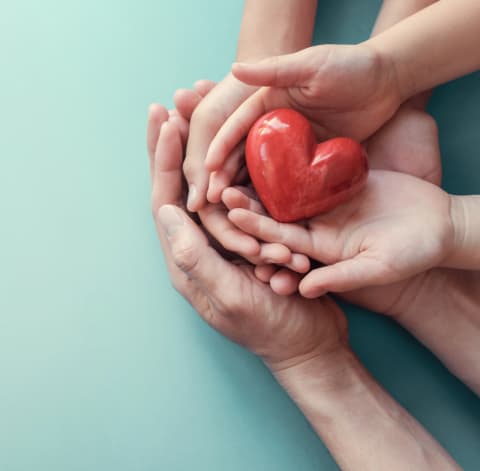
<point>231,302</point>
<point>316,81</point>
<point>284,331</point>
<point>396,227</point>
<point>342,90</point>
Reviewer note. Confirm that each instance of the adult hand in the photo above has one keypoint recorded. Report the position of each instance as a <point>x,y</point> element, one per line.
<point>408,143</point>
<point>304,342</point>
<point>283,331</point>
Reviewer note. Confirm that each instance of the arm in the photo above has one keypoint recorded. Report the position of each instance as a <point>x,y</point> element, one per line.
<point>394,11</point>
<point>273,27</point>
<point>433,46</point>
<point>362,426</point>
<point>441,308</point>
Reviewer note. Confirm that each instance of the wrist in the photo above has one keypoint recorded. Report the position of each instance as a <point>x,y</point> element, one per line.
<point>321,381</point>
<point>272,27</point>
<point>361,425</point>
<point>399,74</point>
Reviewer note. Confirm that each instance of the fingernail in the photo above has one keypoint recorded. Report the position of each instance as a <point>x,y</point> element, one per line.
<point>192,196</point>
<point>170,220</point>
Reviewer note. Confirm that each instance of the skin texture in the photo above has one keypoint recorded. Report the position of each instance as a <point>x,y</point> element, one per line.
<point>303,342</point>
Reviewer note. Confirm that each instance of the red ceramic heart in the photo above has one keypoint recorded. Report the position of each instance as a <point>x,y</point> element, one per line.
<point>293,175</point>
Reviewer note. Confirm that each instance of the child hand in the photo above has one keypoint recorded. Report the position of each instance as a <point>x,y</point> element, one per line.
<point>207,116</point>
<point>223,235</point>
<point>396,227</point>
<point>342,90</point>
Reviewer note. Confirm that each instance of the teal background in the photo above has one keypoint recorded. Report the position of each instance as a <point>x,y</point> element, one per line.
<point>102,365</point>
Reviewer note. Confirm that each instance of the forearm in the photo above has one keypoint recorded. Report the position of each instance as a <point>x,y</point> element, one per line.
<point>442,310</point>
<point>391,13</point>
<point>362,426</point>
<point>465,217</point>
<point>394,11</point>
<point>433,46</point>
<point>274,27</point>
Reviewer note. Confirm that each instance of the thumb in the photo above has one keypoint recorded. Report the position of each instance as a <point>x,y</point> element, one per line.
<point>189,250</point>
<point>347,275</point>
<point>278,71</point>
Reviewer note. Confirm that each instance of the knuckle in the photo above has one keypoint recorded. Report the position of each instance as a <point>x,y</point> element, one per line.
<point>185,256</point>
<point>210,113</point>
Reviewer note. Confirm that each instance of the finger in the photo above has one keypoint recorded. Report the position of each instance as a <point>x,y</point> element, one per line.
<point>186,101</point>
<point>298,263</point>
<point>294,236</point>
<point>191,253</point>
<point>166,189</point>
<point>167,165</point>
<point>182,125</point>
<point>347,275</point>
<point>276,254</point>
<point>237,125</point>
<point>279,255</point>
<point>241,197</point>
<point>203,127</point>
<point>157,115</point>
<point>278,71</point>
<point>265,272</point>
<point>216,222</point>
<point>222,178</point>
<point>206,120</point>
<point>203,87</point>
<point>284,282</point>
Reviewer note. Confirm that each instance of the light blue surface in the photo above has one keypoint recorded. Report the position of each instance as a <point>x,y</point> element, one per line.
<point>102,365</point>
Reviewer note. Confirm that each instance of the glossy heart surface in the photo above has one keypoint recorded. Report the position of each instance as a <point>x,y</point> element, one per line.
<point>294,176</point>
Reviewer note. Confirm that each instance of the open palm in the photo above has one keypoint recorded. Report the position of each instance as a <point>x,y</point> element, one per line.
<point>396,227</point>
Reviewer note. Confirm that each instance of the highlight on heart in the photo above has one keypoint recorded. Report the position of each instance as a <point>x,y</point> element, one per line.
<point>294,176</point>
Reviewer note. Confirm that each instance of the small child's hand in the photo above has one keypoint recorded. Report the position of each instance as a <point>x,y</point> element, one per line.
<point>223,235</point>
<point>342,90</point>
<point>396,227</point>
